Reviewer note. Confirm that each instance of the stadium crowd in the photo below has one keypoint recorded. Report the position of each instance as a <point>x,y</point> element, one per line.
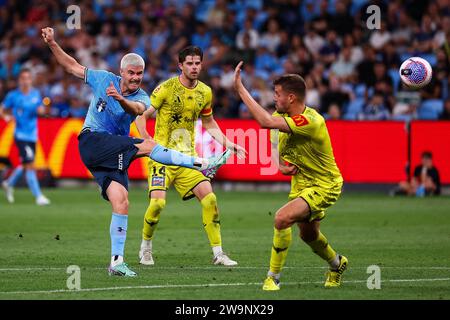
<point>351,71</point>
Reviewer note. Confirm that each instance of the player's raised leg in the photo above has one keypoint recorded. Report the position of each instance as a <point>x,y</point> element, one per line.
<point>151,219</point>
<point>172,157</point>
<point>295,210</point>
<point>118,196</point>
<point>311,235</point>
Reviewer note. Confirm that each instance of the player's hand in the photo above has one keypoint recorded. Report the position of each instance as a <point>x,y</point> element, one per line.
<point>288,169</point>
<point>7,118</point>
<point>237,74</point>
<point>238,150</point>
<point>111,91</point>
<point>48,34</point>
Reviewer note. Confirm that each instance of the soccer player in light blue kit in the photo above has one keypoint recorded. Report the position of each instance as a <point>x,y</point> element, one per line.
<point>104,144</point>
<point>24,104</point>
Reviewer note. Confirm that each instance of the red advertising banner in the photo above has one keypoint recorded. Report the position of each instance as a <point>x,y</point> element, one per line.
<point>366,152</point>
<point>435,137</point>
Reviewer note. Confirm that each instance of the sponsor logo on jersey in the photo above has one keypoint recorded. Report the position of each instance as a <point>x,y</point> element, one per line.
<point>300,120</point>
<point>158,181</point>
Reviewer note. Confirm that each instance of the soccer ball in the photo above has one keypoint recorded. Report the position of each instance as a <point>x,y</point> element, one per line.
<point>415,72</point>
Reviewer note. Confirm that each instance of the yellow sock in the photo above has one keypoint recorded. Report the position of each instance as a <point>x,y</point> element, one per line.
<point>281,242</point>
<point>211,221</point>
<point>321,247</point>
<point>151,217</point>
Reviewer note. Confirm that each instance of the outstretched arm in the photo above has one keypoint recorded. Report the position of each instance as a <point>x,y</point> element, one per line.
<point>141,122</point>
<point>264,119</point>
<point>68,62</point>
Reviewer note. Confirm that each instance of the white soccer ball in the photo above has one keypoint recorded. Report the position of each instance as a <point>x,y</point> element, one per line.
<point>415,72</point>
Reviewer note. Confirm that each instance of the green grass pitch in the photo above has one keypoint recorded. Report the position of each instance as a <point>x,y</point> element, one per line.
<point>409,239</point>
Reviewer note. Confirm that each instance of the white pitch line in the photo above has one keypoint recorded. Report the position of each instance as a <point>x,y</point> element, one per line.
<point>214,268</point>
<point>168,286</point>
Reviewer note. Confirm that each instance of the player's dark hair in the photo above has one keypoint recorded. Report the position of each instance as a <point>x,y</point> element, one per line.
<point>427,155</point>
<point>292,83</point>
<point>23,70</point>
<point>190,51</point>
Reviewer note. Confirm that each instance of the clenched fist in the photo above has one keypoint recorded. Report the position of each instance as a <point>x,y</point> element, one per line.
<point>48,34</point>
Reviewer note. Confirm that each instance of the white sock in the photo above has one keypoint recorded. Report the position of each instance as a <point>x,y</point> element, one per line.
<point>274,275</point>
<point>115,262</point>
<point>147,244</point>
<point>217,250</point>
<point>335,263</point>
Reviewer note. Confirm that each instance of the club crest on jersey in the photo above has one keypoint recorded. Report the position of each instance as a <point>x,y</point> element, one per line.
<point>300,120</point>
<point>101,105</point>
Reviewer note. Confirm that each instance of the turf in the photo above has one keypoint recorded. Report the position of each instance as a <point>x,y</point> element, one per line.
<point>408,238</point>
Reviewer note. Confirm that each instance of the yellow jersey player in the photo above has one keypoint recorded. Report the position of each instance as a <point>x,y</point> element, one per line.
<point>316,181</point>
<point>179,102</point>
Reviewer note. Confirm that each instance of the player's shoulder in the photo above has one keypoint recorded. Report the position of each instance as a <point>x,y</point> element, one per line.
<point>142,92</point>
<point>101,73</point>
<point>13,92</point>
<point>201,86</point>
<point>312,115</point>
<point>165,85</point>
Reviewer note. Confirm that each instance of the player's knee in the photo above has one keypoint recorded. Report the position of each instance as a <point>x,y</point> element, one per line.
<point>209,201</point>
<point>281,221</point>
<point>120,205</point>
<point>157,205</point>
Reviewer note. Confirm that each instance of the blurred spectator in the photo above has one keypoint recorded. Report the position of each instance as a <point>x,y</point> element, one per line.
<point>375,109</point>
<point>271,39</point>
<point>425,181</point>
<point>334,95</point>
<point>344,67</point>
<point>248,29</point>
<point>334,112</point>
<point>446,113</point>
<point>380,37</point>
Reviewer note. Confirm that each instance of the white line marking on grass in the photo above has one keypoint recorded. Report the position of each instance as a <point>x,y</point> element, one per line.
<point>212,268</point>
<point>181,286</point>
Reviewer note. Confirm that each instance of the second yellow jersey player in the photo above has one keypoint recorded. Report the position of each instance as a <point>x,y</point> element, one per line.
<point>304,143</point>
<point>178,110</point>
<point>180,102</point>
<point>318,180</point>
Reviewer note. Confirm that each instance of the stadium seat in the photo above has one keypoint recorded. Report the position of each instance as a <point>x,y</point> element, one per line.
<point>431,109</point>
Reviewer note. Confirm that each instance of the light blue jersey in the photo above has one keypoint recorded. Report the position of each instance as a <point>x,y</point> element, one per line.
<point>105,114</point>
<point>24,108</point>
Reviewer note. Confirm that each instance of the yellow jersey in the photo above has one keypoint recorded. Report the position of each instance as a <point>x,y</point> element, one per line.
<point>178,109</point>
<point>309,148</point>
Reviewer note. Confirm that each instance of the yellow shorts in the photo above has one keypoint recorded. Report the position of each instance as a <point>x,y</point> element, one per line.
<point>318,198</point>
<point>184,179</point>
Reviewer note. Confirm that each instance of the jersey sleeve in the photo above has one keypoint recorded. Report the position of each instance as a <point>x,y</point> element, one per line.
<point>144,99</point>
<point>302,124</point>
<point>94,77</point>
<point>8,103</point>
<point>158,96</point>
<point>207,109</point>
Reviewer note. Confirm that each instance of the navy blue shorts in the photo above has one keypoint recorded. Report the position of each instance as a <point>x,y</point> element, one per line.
<point>27,150</point>
<point>107,157</point>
